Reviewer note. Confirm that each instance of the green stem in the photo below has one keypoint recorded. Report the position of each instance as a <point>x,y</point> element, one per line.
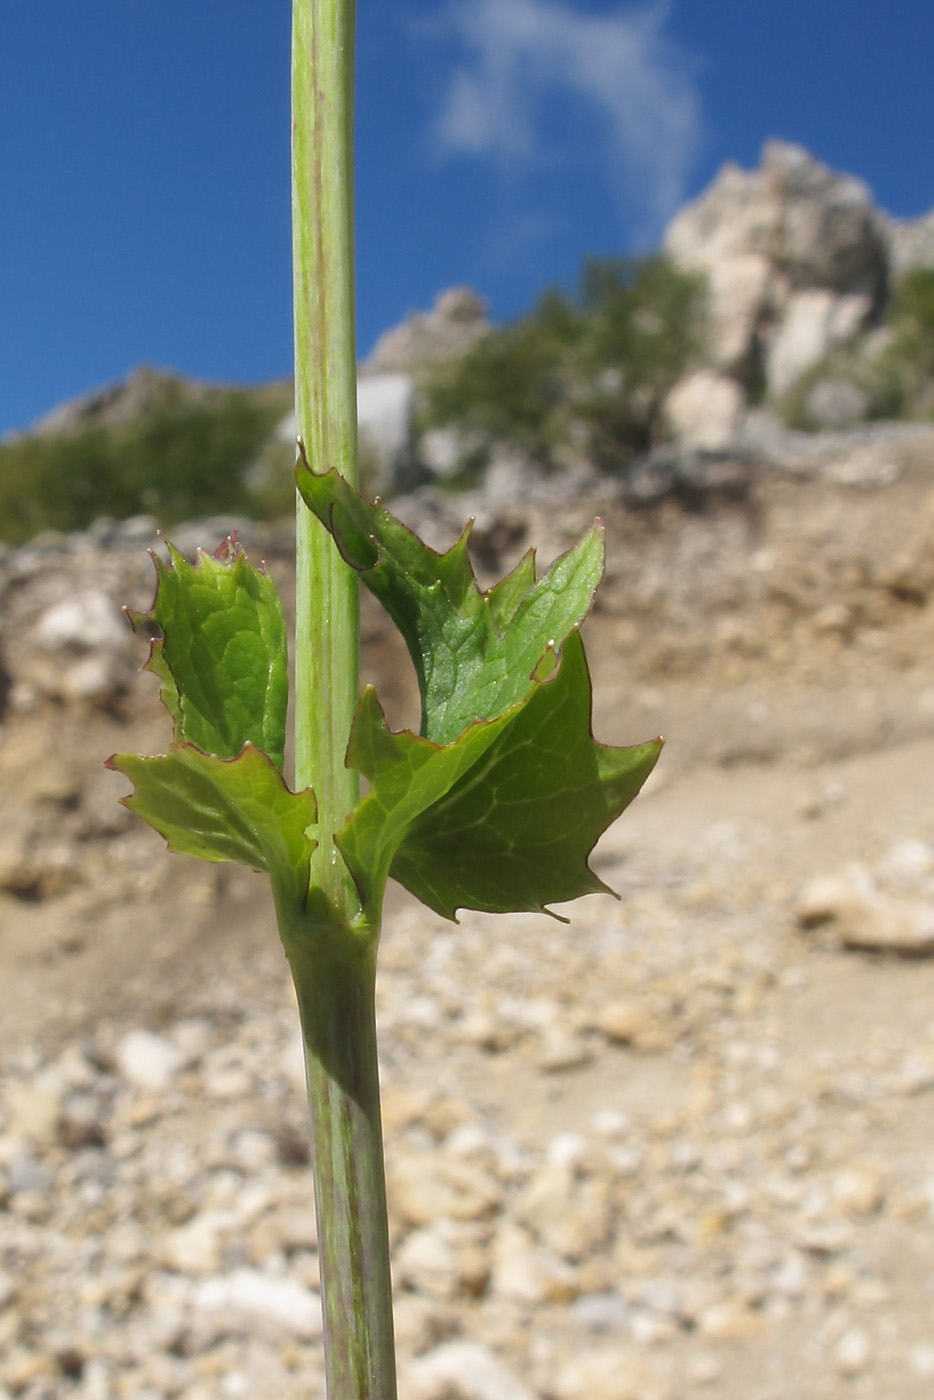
<point>330,946</point>
<point>335,981</point>
<point>327,604</point>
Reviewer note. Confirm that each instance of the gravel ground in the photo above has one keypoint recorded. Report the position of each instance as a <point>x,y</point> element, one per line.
<point>680,1148</point>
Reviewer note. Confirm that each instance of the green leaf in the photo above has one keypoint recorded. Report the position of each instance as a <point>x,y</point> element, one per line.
<point>235,809</point>
<point>222,655</point>
<point>407,775</point>
<point>514,833</point>
<point>475,654</point>
<point>502,819</point>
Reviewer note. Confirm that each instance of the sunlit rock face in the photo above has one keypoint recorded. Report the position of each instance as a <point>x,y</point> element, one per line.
<point>796,258</point>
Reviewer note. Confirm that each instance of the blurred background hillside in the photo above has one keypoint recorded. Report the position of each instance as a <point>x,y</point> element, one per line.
<point>781,299</point>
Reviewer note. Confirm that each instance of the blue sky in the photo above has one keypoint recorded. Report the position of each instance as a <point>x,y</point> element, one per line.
<point>144,157</point>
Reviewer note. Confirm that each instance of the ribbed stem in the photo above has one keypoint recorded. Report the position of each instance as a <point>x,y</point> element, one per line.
<point>335,980</point>
<point>327,600</point>
<point>331,949</point>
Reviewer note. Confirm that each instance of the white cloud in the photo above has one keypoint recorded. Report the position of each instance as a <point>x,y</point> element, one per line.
<point>521,52</point>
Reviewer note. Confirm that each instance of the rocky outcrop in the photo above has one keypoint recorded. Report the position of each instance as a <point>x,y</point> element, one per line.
<point>427,338</point>
<point>144,388</point>
<point>796,259</point>
<point>910,243</point>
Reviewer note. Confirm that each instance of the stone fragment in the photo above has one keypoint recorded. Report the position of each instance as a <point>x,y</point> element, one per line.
<point>704,409</point>
<point>570,1218</point>
<point>249,1302</point>
<point>82,1121</point>
<point>424,1188</point>
<point>147,1061</point>
<point>858,1190</point>
<point>865,919</point>
<point>627,1020</point>
<point>461,1371</point>
<point>730,1321</point>
<point>611,1375</point>
<point>852,1352</point>
<point>34,1107</point>
<point>562,1050</point>
<point>427,1262</point>
<point>527,1273</point>
<point>195,1247</point>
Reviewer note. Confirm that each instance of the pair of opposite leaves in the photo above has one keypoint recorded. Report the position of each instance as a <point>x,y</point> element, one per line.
<point>495,805</point>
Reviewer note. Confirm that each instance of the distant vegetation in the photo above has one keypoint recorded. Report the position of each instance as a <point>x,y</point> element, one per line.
<point>585,374</point>
<point>184,455</point>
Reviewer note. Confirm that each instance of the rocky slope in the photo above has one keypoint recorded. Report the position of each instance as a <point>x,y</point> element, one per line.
<point>680,1148</point>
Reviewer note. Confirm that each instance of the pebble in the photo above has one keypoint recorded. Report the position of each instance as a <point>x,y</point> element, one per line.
<point>852,1352</point>
<point>570,1219</point>
<point>248,1301</point>
<point>864,918</point>
<point>462,1371</point>
<point>147,1061</point>
<point>611,1375</point>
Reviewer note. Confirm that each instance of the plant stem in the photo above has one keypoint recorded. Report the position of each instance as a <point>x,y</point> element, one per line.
<point>330,947</point>
<point>327,627</point>
<point>335,981</point>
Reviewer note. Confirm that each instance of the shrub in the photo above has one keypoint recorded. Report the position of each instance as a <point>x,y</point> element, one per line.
<point>907,363</point>
<point>181,458</point>
<point>588,373</point>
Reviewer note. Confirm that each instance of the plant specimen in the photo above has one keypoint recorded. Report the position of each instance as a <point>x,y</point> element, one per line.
<point>494,804</point>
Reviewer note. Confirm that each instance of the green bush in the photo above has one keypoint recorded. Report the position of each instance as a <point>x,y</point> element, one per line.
<point>183,457</point>
<point>907,365</point>
<point>588,373</point>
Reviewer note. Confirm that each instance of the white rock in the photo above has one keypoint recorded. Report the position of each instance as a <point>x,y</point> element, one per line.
<point>195,1247</point>
<point>526,1273</point>
<point>793,228</point>
<point>385,408</point>
<point>921,1361</point>
<point>33,1108</point>
<point>738,289</point>
<point>704,410</point>
<point>147,1061</point>
<point>866,920</point>
<point>427,1261</point>
<point>610,1375</point>
<point>812,326</point>
<point>852,1352</point>
<point>858,1190</point>
<point>85,622</point>
<point>462,1371</point>
<point>249,1302</point>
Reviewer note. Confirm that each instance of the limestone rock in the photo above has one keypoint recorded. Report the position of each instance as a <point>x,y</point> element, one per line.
<point>570,1218</point>
<point>610,1375</point>
<point>147,1061</point>
<point>424,338</point>
<point>424,1188</point>
<point>796,261</point>
<point>704,409</point>
<point>814,322</point>
<point>527,1273</point>
<point>461,1371</point>
<point>385,414</point>
<point>252,1303</point>
<point>865,919</point>
<point>910,242</point>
